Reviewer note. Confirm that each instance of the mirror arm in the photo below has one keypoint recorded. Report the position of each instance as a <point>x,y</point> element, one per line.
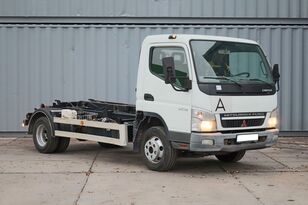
<point>180,90</point>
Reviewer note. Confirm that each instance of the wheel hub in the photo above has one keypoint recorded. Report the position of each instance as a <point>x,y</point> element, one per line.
<point>154,149</point>
<point>41,135</point>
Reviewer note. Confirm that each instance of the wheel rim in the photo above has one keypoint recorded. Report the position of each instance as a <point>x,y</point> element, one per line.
<point>154,150</point>
<point>41,135</point>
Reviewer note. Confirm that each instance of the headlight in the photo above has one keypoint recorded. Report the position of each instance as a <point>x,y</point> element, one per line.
<point>202,121</point>
<point>273,120</point>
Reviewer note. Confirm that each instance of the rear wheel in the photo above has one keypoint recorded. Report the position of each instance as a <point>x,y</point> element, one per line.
<point>231,157</point>
<point>43,138</point>
<point>63,144</point>
<point>157,152</point>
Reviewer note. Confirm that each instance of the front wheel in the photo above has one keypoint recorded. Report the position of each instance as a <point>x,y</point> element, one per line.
<point>231,157</point>
<point>157,152</point>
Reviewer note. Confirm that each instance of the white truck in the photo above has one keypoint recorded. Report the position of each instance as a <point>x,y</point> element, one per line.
<point>196,94</point>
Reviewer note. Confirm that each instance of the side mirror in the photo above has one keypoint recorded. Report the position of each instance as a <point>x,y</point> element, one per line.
<point>187,84</point>
<point>276,75</point>
<point>169,71</point>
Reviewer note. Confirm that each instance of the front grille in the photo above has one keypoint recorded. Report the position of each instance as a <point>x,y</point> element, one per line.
<point>250,122</point>
<point>242,123</point>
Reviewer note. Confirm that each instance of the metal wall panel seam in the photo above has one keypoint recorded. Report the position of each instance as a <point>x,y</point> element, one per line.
<point>148,26</point>
<point>143,20</point>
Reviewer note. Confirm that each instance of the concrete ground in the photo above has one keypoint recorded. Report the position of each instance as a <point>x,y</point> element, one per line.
<point>89,174</point>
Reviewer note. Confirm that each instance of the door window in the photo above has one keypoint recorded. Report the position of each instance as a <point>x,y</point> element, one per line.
<point>180,63</point>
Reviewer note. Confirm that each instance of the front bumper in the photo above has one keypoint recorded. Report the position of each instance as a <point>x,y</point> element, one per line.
<point>227,142</point>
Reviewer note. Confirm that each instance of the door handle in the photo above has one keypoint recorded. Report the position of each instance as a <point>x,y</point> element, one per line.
<point>148,97</point>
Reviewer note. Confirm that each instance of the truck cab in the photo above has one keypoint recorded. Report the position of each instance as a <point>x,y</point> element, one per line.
<point>212,95</point>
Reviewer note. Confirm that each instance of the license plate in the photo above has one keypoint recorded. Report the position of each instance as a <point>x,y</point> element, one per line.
<point>247,138</point>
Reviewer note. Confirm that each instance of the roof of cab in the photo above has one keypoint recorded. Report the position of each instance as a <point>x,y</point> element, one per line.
<point>164,38</point>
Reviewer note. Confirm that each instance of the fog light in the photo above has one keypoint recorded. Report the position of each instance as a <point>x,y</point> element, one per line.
<point>208,142</point>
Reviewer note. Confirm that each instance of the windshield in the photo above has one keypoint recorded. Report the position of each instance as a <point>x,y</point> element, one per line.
<point>230,62</point>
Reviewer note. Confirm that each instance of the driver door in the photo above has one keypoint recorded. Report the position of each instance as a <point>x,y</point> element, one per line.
<point>172,105</point>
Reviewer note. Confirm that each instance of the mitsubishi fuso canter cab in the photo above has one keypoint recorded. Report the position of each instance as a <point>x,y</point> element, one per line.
<point>196,95</point>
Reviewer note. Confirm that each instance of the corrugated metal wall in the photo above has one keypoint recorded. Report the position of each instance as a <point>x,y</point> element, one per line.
<point>158,8</point>
<point>40,63</point>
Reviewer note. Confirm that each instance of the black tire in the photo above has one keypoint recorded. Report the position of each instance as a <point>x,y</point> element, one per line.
<point>106,145</point>
<point>63,144</point>
<point>43,138</point>
<point>231,157</point>
<point>169,154</point>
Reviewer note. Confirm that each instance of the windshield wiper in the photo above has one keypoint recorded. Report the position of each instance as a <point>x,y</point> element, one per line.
<point>260,80</point>
<point>224,78</point>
